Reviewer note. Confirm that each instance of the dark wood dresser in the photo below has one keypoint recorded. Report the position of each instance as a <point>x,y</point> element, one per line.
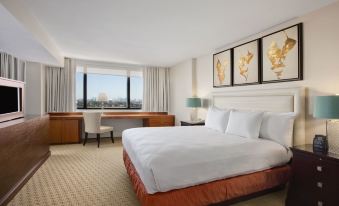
<point>315,178</point>
<point>24,148</point>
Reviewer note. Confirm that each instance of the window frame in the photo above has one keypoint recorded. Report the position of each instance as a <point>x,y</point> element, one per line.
<point>107,108</point>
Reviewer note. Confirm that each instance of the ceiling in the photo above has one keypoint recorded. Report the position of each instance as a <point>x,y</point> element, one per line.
<point>157,32</point>
<point>16,40</point>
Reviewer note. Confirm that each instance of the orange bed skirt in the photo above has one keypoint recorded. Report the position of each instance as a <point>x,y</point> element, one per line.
<point>209,193</point>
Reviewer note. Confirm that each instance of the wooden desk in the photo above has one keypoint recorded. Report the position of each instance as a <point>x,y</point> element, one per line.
<point>66,127</point>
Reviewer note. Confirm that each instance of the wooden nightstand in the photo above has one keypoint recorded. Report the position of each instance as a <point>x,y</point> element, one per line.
<point>189,123</point>
<point>315,178</point>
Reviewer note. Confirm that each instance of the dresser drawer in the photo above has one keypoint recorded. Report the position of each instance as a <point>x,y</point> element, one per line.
<point>306,167</point>
<point>331,183</point>
<point>314,179</point>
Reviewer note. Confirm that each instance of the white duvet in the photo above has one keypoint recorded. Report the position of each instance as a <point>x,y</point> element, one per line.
<point>168,158</point>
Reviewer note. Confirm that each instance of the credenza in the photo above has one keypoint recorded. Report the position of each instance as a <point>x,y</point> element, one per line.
<point>66,127</point>
<point>24,147</point>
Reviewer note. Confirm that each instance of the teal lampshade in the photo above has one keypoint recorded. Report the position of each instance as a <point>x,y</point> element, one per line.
<point>193,102</point>
<point>326,107</point>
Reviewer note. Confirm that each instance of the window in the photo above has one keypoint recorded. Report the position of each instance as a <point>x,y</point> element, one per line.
<point>108,88</point>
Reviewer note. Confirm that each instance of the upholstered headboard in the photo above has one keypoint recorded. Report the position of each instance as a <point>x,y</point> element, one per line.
<point>273,100</point>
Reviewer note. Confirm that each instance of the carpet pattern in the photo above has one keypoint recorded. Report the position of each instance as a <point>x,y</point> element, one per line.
<point>86,175</point>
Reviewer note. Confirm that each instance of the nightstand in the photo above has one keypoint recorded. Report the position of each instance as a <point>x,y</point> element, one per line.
<point>189,123</point>
<point>315,178</point>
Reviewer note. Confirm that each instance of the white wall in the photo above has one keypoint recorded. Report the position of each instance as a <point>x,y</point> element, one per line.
<point>181,88</point>
<point>321,67</point>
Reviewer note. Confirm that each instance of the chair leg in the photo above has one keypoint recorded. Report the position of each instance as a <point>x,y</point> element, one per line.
<point>86,136</point>
<point>112,137</point>
<point>98,138</point>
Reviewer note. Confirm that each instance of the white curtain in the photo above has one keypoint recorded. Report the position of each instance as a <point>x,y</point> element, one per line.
<point>12,67</point>
<point>60,87</point>
<point>156,89</point>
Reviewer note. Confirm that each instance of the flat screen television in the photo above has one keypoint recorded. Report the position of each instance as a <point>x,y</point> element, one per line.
<point>12,99</point>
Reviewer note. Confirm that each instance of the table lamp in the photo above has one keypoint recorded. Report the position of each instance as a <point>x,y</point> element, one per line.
<point>102,97</point>
<point>193,102</point>
<point>325,107</point>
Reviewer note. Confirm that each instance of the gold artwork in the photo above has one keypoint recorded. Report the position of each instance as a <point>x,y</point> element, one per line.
<point>221,70</point>
<point>277,56</point>
<point>243,62</point>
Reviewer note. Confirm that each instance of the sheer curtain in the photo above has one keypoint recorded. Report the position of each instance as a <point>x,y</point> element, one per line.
<point>156,89</point>
<point>60,87</point>
<point>12,67</point>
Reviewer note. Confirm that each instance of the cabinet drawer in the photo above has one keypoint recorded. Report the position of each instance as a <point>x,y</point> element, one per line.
<point>70,131</point>
<point>314,180</point>
<point>306,166</point>
<point>169,121</point>
<point>154,122</point>
<point>304,178</point>
<point>160,122</point>
<point>331,183</point>
<point>63,131</point>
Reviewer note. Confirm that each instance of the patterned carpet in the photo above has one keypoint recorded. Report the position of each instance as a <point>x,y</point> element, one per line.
<point>77,175</point>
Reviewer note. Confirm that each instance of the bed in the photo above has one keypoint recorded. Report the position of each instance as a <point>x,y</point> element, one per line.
<point>199,166</point>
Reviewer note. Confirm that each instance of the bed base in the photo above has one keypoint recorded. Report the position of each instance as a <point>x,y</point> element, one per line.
<point>217,193</point>
<point>250,196</point>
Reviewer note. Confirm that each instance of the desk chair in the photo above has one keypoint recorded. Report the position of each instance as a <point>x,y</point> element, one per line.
<point>92,122</point>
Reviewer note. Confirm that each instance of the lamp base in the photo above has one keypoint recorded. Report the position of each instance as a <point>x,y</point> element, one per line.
<point>320,144</point>
<point>194,115</point>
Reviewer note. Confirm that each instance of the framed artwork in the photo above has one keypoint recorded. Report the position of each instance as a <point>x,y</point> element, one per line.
<point>246,63</point>
<point>282,55</point>
<point>222,69</point>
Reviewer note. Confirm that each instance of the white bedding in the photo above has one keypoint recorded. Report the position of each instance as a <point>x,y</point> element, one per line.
<point>168,158</point>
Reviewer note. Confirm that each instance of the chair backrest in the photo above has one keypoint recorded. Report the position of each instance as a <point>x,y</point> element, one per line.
<point>92,122</point>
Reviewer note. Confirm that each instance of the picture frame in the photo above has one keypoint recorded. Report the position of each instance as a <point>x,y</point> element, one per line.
<point>246,63</point>
<point>222,68</point>
<point>282,55</point>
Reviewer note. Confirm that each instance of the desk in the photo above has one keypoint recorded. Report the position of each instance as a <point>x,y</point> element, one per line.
<point>66,127</point>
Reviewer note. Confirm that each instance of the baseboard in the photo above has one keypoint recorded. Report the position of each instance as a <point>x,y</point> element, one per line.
<point>16,188</point>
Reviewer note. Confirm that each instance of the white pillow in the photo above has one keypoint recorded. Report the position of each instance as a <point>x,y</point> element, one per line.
<point>278,127</point>
<point>245,123</point>
<point>217,119</point>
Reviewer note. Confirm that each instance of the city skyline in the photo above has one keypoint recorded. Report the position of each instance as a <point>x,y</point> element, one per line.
<point>115,87</point>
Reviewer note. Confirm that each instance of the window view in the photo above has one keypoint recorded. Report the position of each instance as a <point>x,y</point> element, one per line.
<point>108,88</point>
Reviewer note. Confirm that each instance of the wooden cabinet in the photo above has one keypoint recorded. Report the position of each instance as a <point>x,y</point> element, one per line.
<point>64,131</point>
<point>23,149</point>
<point>55,129</point>
<point>161,121</point>
<point>314,178</point>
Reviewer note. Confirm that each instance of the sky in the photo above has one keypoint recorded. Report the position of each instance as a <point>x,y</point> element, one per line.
<point>114,86</point>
